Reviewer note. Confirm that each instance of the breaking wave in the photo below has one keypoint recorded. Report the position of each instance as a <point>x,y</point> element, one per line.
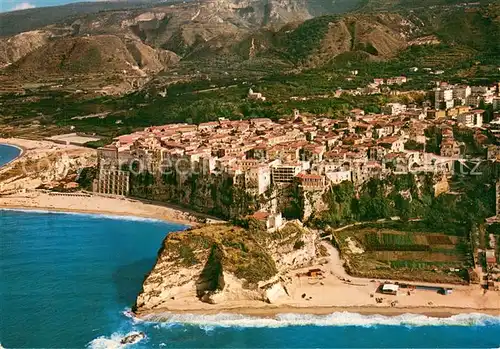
<point>334,319</point>
<point>208,323</point>
<point>107,342</point>
<point>112,342</point>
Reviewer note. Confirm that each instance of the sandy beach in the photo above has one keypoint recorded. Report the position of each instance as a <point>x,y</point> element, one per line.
<point>95,204</point>
<point>37,148</point>
<point>42,162</point>
<point>272,312</point>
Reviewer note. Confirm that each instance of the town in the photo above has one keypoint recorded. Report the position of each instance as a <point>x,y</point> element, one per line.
<point>315,151</point>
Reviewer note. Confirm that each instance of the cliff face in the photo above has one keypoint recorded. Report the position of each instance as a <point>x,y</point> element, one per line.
<point>221,263</point>
<point>215,195</point>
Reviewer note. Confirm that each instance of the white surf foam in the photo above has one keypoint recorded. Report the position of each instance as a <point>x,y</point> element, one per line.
<point>335,319</point>
<point>112,342</point>
<point>128,313</point>
<point>107,343</point>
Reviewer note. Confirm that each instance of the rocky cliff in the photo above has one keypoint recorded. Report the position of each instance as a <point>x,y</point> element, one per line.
<point>219,264</point>
<point>14,48</point>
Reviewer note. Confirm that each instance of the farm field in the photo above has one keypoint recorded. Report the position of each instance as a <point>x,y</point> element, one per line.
<point>382,252</point>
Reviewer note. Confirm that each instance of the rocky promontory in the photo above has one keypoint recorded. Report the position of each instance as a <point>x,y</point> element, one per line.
<point>221,263</point>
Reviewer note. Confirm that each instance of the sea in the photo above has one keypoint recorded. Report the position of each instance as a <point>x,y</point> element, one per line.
<point>8,153</point>
<point>69,281</point>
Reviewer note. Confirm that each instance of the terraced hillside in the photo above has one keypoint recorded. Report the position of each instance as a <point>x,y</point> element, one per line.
<point>380,252</point>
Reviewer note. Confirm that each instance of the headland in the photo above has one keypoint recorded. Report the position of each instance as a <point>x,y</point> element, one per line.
<point>309,278</point>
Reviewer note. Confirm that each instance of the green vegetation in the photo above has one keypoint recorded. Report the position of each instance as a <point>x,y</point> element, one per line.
<point>421,250</point>
<point>99,143</point>
<point>411,196</point>
<point>224,248</point>
<point>301,42</point>
<point>397,195</point>
<point>214,195</point>
<point>434,139</point>
<point>213,270</point>
<point>393,242</point>
<point>405,251</point>
<point>86,178</point>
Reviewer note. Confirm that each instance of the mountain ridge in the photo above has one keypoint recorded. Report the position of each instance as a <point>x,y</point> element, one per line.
<point>230,32</point>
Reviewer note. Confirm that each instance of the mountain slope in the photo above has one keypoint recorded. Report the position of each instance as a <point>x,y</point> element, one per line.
<point>92,55</point>
<point>18,46</point>
<point>12,23</point>
<point>250,37</point>
<point>104,63</point>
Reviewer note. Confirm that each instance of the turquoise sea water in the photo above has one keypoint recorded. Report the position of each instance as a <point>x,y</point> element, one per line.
<point>8,153</point>
<point>66,280</point>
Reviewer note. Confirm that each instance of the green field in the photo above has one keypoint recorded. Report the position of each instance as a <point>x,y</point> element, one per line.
<point>404,254</point>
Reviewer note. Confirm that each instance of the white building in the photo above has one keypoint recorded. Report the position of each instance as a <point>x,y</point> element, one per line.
<point>466,119</point>
<point>390,289</point>
<point>393,108</point>
<point>258,178</point>
<point>443,96</point>
<point>338,177</point>
<point>460,94</point>
<point>474,119</point>
<point>478,118</point>
<point>495,126</point>
<point>256,96</point>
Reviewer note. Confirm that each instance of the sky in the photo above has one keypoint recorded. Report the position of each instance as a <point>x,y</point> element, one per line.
<point>13,5</point>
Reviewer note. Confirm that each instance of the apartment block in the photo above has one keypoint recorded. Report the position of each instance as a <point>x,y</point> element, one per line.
<point>285,173</point>
<point>114,182</point>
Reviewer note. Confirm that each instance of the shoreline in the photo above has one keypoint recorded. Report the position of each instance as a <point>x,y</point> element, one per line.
<point>99,204</point>
<point>95,205</point>
<point>22,152</point>
<point>330,296</point>
<point>113,214</point>
<point>269,312</point>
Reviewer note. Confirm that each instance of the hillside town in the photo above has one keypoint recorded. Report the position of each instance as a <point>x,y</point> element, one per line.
<point>313,151</point>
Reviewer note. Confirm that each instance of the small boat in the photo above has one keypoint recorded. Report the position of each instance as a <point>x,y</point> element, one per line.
<point>133,338</point>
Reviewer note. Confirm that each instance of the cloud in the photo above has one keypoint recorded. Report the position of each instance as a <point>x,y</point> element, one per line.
<point>22,6</point>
